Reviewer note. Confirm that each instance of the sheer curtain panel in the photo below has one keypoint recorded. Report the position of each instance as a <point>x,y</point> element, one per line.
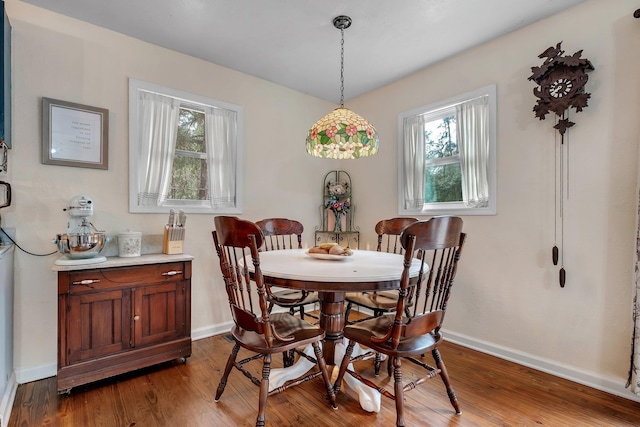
<point>634,369</point>
<point>158,133</point>
<point>221,128</point>
<point>473,143</point>
<point>414,164</point>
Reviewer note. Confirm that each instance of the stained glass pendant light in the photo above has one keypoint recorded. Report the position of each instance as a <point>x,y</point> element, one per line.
<point>342,134</point>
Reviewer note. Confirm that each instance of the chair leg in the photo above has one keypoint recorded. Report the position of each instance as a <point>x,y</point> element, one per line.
<point>302,312</point>
<point>445,379</point>
<point>264,390</point>
<point>346,313</point>
<point>227,369</point>
<point>389,366</point>
<point>377,361</point>
<point>343,366</point>
<point>325,374</point>
<point>398,391</point>
<point>288,357</point>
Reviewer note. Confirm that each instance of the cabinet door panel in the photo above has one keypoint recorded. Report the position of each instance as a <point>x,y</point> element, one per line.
<point>159,313</point>
<point>99,324</point>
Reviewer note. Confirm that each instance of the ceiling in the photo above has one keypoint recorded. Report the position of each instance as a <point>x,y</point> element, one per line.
<point>293,42</point>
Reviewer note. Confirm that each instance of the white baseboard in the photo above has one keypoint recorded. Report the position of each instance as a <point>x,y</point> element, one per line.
<point>211,330</point>
<point>36,373</point>
<point>6,400</point>
<point>611,385</point>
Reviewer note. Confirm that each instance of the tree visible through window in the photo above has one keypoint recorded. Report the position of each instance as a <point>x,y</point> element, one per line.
<point>443,178</point>
<point>190,173</point>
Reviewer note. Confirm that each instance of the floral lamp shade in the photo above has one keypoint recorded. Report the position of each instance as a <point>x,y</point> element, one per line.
<point>342,134</point>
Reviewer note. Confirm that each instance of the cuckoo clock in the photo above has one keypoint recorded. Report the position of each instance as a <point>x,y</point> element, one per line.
<point>561,81</point>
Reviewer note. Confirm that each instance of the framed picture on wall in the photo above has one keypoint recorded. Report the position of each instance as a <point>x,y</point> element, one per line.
<point>74,134</point>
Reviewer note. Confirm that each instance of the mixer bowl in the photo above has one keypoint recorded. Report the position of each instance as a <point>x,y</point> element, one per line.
<point>80,246</point>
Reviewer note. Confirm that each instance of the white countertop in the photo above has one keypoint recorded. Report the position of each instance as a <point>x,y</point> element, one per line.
<point>123,262</point>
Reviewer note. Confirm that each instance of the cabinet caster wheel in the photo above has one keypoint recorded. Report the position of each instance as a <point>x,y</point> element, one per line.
<point>183,360</point>
<point>66,392</point>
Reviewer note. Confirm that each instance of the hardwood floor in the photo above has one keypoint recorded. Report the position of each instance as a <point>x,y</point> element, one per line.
<point>491,391</point>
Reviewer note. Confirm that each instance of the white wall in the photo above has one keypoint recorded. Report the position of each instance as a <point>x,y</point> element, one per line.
<point>507,299</point>
<point>62,58</point>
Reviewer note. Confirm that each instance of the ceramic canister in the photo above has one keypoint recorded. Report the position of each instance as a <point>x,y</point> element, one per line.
<point>129,244</point>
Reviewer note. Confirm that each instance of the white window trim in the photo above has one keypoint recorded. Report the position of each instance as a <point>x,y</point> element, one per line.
<point>452,208</point>
<point>188,98</point>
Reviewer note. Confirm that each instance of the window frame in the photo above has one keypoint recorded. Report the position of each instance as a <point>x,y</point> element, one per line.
<point>433,110</point>
<point>188,100</point>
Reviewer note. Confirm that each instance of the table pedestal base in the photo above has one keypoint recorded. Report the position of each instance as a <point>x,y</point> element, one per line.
<point>332,321</point>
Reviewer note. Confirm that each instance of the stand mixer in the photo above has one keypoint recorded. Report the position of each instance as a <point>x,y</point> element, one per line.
<point>83,242</point>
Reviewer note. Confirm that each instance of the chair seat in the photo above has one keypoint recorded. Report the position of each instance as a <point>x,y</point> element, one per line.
<point>293,298</point>
<point>378,326</point>
<point>286,325</point>
<point>384,300</point>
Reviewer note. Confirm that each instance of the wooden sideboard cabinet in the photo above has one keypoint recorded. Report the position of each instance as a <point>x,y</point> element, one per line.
<point>121,315</point>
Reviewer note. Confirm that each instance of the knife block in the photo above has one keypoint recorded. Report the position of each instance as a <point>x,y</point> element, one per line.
<point>173,240</point>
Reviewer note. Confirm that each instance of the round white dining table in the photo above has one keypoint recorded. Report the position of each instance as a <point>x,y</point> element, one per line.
<point>362,271</point>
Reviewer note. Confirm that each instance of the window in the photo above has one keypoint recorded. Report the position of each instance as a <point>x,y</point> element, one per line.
<point>185,152</point>
<point>447,156</point>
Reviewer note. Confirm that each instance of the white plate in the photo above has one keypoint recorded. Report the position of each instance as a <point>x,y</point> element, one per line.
<point>328,256</point>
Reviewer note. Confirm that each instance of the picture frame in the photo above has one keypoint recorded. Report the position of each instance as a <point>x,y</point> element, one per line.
<point>74,135</point>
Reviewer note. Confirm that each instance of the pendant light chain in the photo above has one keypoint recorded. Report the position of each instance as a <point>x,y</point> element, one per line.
<point>342,67</point>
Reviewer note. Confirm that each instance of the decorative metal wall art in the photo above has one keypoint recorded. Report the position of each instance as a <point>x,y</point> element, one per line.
<point>561,83</point>
<point>337,211</point>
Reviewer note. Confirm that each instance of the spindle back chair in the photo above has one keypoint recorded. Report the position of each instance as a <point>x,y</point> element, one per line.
<point>408,334</point>
<point>281,234</point>
<point>255,329</point>
<point>388,231</point>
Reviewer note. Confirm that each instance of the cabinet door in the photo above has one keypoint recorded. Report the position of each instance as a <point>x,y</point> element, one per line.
<point>159,313</point>
<point>99,324</point>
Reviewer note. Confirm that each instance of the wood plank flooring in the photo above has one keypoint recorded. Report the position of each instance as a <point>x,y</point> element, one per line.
<point>491,391</point>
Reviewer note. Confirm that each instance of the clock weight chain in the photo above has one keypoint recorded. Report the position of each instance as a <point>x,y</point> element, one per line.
<point>559,196</point>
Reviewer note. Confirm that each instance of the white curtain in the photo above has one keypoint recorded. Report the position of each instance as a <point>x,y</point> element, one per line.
<point>221,128</point>
<point>158,133</point>
<point>634,370</point>
<point>414,161</point>
<point>473,141</point>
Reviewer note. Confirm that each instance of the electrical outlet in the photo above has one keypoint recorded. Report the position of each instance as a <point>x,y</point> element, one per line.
<point>7,231</point>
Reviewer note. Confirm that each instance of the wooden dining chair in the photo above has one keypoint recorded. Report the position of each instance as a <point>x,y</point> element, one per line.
<point>388,231</point>
<point>279,234</point>
<point>400,336</point>
<point>255,329</point>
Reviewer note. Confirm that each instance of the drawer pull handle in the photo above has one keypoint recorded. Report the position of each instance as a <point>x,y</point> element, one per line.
<point>136,317</point>
<point>171,273</point>
<point>86,282</point>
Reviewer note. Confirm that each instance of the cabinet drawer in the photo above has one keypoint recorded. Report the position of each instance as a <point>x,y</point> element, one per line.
<point>112,278</point>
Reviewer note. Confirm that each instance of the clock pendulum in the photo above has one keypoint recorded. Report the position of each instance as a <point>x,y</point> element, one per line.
<point>561,80</point>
